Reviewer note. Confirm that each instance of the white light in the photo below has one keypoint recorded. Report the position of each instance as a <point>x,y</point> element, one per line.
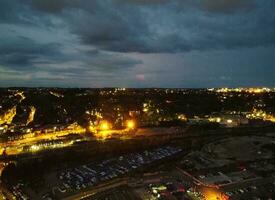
<point>229,121</point>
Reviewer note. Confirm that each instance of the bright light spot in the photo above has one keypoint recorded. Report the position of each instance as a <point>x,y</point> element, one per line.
<point>34,148</point>
<point>213,194</point>
<point>104,126</point>
<point>182,117</point>
<point>145,110</point>
<point>130,124</point>
<point>229,121</point>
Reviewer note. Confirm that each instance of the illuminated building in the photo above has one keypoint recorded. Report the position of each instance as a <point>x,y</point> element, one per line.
<point>31,115</point>
<point>229,120</point>
<point>8,116</point>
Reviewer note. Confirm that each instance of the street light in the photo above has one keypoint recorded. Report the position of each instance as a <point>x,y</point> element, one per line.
<point>104,125</point>
<point>130,124</point>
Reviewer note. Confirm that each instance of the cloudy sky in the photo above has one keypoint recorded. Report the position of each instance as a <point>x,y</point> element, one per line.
<point>137,43</point>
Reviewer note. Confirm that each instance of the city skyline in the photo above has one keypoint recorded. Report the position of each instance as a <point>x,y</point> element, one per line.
<point>120,43</point>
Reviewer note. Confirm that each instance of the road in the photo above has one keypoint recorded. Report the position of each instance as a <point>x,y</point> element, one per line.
<point>98,189</point>
<point>16,147</point>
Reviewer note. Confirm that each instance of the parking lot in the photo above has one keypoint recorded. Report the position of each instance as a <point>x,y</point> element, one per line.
<point>259,192</point>
<point>92,174</point>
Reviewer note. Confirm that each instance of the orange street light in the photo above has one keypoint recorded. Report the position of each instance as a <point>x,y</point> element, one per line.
<point>130,124</point>
<point>104,125</point>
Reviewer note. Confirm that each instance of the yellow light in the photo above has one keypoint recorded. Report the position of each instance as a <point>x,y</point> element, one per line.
<point>213,194</point>
<point>145,110</point>
<point>104,125</point>
<point>130,124</point>
<point>182,117</point>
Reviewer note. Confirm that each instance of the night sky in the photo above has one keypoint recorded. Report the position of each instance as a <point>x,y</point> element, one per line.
<point>137,43</point>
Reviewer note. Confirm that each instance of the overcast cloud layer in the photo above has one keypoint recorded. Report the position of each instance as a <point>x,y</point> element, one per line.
<point>137,43</point>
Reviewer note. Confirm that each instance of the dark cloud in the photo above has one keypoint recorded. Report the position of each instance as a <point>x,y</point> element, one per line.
<point>25,55</point>
<point>8,11</point>
<point>220,6</point>
<point>142,2</point>
<point>81,38</point>
<point>112,63</point>
<point>227,6</point>
<point>21,53</point>
<point>122,26</point>
<point>163,29</point>
<point>173,26</point>
<point>53,6</point>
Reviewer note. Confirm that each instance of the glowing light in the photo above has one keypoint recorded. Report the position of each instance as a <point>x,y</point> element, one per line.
<point>215,119</point>
<point>229,121</point>
<point>8,116</point>
<point>213,194</point>
<point>145,110</point>
<point>104,126</point>
<point>130,124</point>
<point>260,114</point>
<point>182,117</point>
<point>247,90</point>
<point>34,148</point>
<point>31,115</point>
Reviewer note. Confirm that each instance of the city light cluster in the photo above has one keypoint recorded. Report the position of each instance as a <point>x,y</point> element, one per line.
<point>260,114</point>
<point>246,90</point>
